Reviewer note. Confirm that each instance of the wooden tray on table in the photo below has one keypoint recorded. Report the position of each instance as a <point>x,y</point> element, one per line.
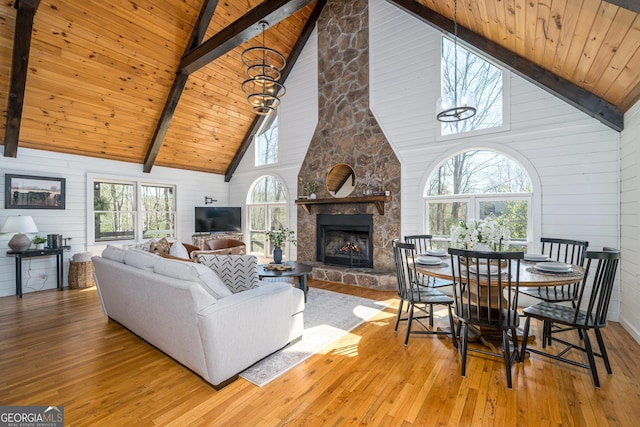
<point>278,267</point>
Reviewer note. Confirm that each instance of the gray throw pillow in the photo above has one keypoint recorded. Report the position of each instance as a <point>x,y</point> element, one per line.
<point>238,272</point>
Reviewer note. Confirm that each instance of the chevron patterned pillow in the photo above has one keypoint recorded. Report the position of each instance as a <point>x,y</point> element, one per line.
<point>238,272</point>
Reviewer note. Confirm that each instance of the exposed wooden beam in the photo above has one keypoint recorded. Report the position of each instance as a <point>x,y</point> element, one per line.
<point>243,29</point>
<point>576,96</point>
<point>632,5</point>
<point>200,54</point>
<point>26,10</point>
<point>291,60</point>
<point>179,82</point>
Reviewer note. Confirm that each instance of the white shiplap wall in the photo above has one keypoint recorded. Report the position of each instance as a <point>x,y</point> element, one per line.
<point>573,157</point>
<point>630,223</point>
<point>191,189</point>
<point>297,120</point>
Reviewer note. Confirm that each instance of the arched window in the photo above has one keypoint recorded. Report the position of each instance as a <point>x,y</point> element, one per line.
<point>474,185</point>
<point>267,209</point>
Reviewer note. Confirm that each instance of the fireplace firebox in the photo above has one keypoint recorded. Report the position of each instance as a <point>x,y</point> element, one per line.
<point>345,240</point>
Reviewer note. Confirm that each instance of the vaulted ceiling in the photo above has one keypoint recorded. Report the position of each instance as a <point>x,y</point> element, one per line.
<point>157,82</point>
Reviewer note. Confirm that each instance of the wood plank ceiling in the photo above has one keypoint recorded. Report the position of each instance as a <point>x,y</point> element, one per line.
<point>100,73</point>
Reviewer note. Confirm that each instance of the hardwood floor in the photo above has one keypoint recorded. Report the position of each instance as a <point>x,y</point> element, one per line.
<point>58,348</point>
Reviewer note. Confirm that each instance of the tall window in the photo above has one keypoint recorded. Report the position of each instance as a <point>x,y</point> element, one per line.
<point>132,211</point>
<point>158,211</point>
<point>267,142</point>
<point>476,184</point>
<point>267,210</point>
<point>474,75</point>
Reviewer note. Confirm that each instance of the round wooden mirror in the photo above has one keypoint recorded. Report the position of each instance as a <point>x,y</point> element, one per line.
<point>341,180</point>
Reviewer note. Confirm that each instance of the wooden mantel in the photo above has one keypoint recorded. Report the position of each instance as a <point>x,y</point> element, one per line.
<point>378,201</point>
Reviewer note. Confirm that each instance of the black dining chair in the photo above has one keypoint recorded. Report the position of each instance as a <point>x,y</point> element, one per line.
<point>588,313</point>
<point>420,298</point>
<point>424,243</point>
<point>561,250</point>
<point>485,290</point>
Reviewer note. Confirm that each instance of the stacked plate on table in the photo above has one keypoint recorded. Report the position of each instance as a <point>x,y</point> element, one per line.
<point>437,252</point>
<point>483,271</point>
<point>428,260</point>
<point>536,257</point>
<point>553,267</point>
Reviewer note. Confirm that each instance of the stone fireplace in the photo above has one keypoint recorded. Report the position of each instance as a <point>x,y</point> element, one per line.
<point>347,132</point>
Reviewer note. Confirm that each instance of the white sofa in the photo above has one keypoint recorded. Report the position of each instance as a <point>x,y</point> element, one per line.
<point>174,306</point>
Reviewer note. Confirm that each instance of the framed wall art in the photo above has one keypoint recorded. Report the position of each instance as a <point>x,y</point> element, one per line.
<point>33,192</point>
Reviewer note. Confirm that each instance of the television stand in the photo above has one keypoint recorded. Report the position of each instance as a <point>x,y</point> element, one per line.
<point>199,239</point>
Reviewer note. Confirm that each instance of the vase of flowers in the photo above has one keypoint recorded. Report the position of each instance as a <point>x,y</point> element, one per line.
<point>479,235</point>
<point>277,238</point>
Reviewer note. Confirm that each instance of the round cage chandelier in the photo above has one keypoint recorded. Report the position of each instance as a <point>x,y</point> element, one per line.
<point>263,68</point>
<point>453,107</point>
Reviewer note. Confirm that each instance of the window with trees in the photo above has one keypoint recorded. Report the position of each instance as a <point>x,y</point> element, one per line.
<point>267,210</point>
<point>477,76</point>
<point>132,211</point>
<point>266,142</point>
<point>474,185</point>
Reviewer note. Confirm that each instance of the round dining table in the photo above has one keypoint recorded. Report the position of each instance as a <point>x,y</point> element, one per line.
<point>530,276</point>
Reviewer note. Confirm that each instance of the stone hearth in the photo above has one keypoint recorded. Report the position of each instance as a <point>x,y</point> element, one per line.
<point>347,132</point>
<point>364,277</point>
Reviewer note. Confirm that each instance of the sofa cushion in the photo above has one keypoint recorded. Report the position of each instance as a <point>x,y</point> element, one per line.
<point>144,246</point>
<point>238,272</point>
<point>161,247</point>
<point>114,253</point>
<point>178,250</point>
<point>193,272</point>
<point>141,259</point>
<point>211,281</point>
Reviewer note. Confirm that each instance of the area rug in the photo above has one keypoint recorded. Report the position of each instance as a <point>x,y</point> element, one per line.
<point>327,317</point>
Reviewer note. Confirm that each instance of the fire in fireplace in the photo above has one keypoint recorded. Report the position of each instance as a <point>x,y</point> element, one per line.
<point>345,240</point>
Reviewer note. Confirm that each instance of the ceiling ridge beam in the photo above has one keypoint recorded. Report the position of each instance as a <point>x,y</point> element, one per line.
<point>177,87</point>
<point>291,61</point>
<point>569,92</point>
<point>26,11</point>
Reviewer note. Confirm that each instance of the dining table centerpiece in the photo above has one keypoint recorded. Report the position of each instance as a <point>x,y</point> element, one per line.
<point>480,235</point>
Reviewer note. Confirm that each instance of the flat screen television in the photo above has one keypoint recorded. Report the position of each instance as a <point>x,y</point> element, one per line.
<point>218,219</point>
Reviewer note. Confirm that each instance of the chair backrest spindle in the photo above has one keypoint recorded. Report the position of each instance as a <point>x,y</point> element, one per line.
<point>404,256</point>
<point>600,272</point>
<point>485,286</point>
<point>422,242</point>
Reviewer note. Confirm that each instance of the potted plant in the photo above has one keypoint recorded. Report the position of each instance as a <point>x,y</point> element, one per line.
<point>312,188</point>
<point>39,241</point>
<point>277,238</point>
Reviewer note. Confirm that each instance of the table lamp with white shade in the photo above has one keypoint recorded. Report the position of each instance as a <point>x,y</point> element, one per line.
<point>19,224</point>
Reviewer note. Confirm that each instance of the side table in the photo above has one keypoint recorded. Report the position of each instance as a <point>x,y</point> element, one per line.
<point>297,269</point>
<point>34,253</point>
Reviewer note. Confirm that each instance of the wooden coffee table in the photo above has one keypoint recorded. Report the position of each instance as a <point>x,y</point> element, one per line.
<point>287,269</point>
